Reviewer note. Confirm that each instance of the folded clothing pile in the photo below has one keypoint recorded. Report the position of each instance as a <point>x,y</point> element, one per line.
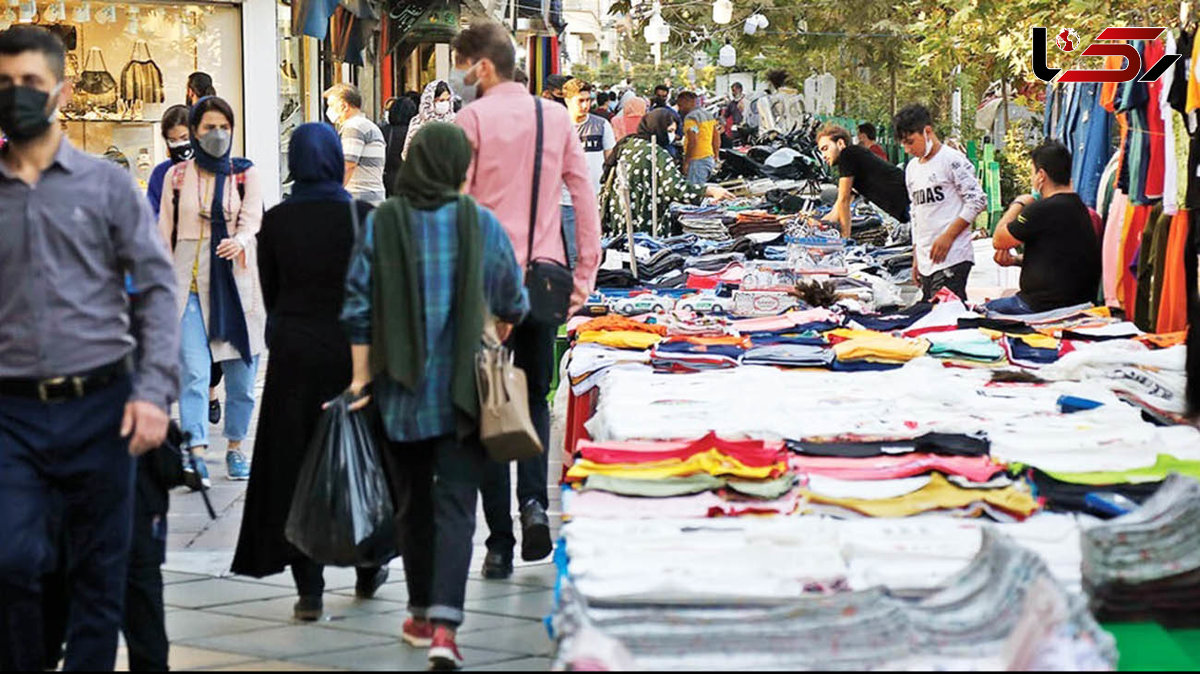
<point>870,350</point>
<point>1145,565</point>
<point>701,478</point>
<point>1003,611</point>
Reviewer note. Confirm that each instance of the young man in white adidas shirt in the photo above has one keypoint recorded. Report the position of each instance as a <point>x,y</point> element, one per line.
<point>945,198</point>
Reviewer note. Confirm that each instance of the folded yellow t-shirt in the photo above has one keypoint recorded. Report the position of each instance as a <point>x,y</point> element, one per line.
<point>621,339</point>
<point>939,494</point>
<point>712,462</point>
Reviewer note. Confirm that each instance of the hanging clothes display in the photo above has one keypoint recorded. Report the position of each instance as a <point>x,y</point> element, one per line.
<point>141,78</point>
<point>96,89</point>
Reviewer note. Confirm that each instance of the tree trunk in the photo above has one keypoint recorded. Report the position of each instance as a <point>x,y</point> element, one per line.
<point>1003,110</point>
<point>892,75</point>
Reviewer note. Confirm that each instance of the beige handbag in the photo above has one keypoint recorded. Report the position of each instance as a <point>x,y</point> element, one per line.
<point>505,427</point>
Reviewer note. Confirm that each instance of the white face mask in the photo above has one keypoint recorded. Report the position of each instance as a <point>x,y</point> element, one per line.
<point>441,107</point>
<point>332,115</point>
<point>928,146</point>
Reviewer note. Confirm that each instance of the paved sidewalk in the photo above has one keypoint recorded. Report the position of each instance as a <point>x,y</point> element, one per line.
<point>218,621</point>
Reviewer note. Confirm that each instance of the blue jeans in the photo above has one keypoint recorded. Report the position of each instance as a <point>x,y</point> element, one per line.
<point>1012,306</point>
<point>700,170</point>
<point>196,358</point>
<point>66,463</point>
<point>568,230</point>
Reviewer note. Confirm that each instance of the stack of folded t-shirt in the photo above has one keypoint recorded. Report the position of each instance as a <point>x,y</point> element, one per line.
<point>1145,565</point>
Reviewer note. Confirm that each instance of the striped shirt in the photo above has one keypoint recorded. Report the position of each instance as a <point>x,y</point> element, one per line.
<point>363,144</point>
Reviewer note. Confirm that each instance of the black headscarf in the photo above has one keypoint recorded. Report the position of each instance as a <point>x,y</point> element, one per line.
<point>399,114</point>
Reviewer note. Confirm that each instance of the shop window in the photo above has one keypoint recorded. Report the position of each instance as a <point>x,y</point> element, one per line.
<point>130,61</point>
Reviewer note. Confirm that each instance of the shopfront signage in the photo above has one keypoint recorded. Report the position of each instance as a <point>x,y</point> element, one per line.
<point>1116,45</point>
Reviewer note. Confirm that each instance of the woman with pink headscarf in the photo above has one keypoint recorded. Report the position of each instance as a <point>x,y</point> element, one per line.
<point>631,115</point>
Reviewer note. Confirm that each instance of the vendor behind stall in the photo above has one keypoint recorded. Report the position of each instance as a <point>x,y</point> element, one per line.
<point>861,171</point>
<point>1061,263</point>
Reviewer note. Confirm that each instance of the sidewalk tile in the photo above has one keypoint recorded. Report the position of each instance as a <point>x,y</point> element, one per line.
<point>390,624</point>
<point>289,642</point>
<point>173,577</point>
<point>216,591</point>
<point>541,575</point>
<point>397,656</point>
<point>529,605</point>
<point>272,666</point>
<point>518,665</point>
<point>189,624</point>
<point>527,639</point>
<point>280,609</point>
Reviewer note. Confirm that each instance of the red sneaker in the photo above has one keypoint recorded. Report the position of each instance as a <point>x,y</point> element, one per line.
<point>417,633</point>
<point>443,652</point>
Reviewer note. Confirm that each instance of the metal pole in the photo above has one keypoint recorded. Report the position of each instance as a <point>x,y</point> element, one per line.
<point>623,190</point>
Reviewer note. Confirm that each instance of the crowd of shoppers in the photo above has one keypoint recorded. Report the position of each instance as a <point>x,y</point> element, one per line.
<point>375,278</point>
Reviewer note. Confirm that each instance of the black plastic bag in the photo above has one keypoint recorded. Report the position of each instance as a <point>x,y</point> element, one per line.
<point>342,512</point>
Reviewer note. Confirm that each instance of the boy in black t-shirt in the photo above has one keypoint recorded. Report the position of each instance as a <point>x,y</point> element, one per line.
<point>1061,264</point>
<point>861,171</point>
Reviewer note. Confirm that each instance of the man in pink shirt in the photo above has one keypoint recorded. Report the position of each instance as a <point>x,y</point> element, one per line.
<point>502,128</point>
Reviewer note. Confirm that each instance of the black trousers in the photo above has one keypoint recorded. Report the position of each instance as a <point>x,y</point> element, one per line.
<point>533,351</point>
<point>69,455</point>
<point>144,623</point>
<point>310,576</point>
<point>954,278</point>
<point>144,619</point>
<point>443,477</point>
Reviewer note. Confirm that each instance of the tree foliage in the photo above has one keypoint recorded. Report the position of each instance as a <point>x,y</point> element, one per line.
<point>929,47</point>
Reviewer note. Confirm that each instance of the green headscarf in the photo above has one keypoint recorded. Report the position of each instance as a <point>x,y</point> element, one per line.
<point>436,167</point>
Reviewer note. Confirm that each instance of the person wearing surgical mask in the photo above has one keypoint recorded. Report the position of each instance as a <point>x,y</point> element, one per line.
<point>437,105</point>
<point>363,144</point>
<point>945,198</point>
<point>212,207</point>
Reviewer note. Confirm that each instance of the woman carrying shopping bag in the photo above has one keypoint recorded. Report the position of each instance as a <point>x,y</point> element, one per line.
<point>432,263</point>
<point>211,211</point>
<point>303,254</point>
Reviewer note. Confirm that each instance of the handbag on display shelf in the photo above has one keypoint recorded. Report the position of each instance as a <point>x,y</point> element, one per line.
<point>96,89</point>
<point>505,426</point>
<point>141,78</point>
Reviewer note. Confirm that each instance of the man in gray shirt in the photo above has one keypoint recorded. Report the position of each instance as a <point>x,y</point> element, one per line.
<point>363,144</point>
<point>86,377</point>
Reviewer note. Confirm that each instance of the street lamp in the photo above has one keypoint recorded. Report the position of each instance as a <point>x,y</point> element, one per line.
<point>722,11</point>
<point>727,57</point>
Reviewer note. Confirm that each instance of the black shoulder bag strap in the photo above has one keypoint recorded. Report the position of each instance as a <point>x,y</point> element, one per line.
<point>549,283</point>
<point>537,178</point>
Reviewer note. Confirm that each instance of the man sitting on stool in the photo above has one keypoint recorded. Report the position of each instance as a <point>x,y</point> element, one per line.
<point>1061,263</point>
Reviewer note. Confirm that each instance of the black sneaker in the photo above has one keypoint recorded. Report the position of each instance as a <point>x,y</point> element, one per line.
<point>366,588</point>
<point>535,532</point>
<point>214,412</point>
<point>308,609</point>
<point>497,566</point>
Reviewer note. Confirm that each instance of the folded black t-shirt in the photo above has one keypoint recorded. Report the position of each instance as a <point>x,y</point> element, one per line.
<point>1062,255</point>
<point>878,181</point>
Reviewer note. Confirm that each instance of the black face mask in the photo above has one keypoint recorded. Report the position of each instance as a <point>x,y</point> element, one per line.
<point>181,153</point>
<point>23,112</point>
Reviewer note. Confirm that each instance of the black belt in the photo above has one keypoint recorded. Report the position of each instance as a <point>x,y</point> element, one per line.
<point>59,389</point>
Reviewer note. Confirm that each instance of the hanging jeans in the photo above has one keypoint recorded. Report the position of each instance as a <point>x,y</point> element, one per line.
<point>196,359</point>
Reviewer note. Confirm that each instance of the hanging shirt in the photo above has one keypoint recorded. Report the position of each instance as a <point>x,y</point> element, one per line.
<point>941,190</point>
